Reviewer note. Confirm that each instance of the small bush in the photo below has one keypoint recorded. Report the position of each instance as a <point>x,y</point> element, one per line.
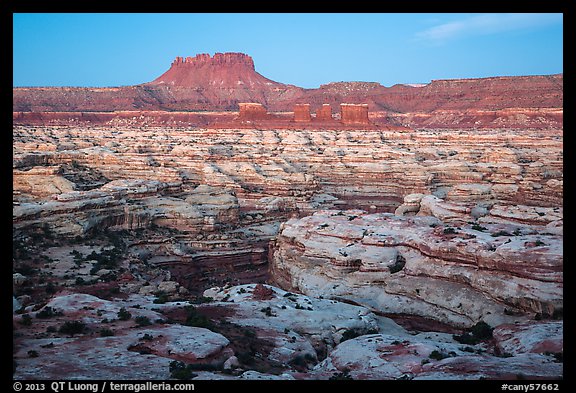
<point>353,333</point>
<point>501,233</point>
<point>143,321</point>
<point>479,332</point>
<point>26,320</point>
<point>48,312</point>
<point>161,299</point>
<point>32,354</point>
<point>341,376</point>
<point>179,370</point>
<point>197,320</point>
<point>482,331</point>
<point>50,288</point>
<point>268,312</point>
<point>106,332</point>
<point>72,327</point>
<point>436,355</point>
<point>398,264</point>
<point>479,228</point>
<point>124,315</point>
<point>204,299</point>
<point>449,231</point>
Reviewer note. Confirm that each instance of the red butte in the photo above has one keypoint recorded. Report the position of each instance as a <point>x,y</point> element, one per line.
<point>354,113</point>
<point>324,113</point>
<point>252,111</point>
<point>302,112</point>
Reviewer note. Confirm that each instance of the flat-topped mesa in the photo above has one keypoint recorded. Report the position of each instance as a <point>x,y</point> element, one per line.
<point>219,59</point>
<point>252,111</point>
<point>354,113</point>
<point>302,113</point>
<point>324,113</point>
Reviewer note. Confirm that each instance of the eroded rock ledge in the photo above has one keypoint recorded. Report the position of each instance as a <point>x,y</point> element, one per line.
<point>458,273</point>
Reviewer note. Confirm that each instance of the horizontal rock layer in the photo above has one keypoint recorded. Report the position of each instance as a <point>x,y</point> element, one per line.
<point>363,169</point>
<point>417,265</point>
<point>221,82</point>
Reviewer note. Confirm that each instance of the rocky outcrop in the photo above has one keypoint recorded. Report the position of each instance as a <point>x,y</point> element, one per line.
<point>129,350</point>
<point>324,113</point>
<point>298,326</point>
<point>372,170</point>
<point>457,274</point>
<point>252,111</point>
<point>354,113</point>
<point>282,336</point>
<point>41,181</point>
<point>123,204</point>
<point>302,113</point>
<point>387,357</point>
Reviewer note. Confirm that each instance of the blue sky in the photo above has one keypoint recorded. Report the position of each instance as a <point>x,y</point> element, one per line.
<point>306,50</point>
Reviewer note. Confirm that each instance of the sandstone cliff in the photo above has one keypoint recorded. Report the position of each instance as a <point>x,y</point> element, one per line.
<point>222,81</point>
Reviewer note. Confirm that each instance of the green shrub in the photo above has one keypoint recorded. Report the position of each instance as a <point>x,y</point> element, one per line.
<point>50,288</point>
<point>26,320</point>
<point>341,376</point>
<point>268,312</point>
<point>72,327</point>
<point>436,355</point>
<point>353,333</point>
<point>124,315</point>
<point>479,332</point>
<point>198,320</point>
<point>161,299</point>
<point>179,370</point>
<point>48,312</point>
<point>482,331</point>
<point>106,332</point>
<point>398,264</point>
<point>205,299</point>
<point>142,321</point>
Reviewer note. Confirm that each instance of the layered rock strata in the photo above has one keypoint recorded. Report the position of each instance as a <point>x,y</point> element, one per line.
<point>354,113</point>
<point>459,274</point>
<point>324,113</point>
<point>261,332</point>
<point>372,170</point>
<point>252,111</point>
<point>302,113</point>
<point>222,81</point>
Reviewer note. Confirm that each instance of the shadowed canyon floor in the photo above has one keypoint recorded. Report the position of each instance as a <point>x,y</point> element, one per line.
<point>147,252</point>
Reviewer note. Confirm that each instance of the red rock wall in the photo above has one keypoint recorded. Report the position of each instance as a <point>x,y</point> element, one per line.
<point>302,112</point>
<point>218,59</point>
<point>324,113</point>
<point>354,113</point>
<point>252,111</point>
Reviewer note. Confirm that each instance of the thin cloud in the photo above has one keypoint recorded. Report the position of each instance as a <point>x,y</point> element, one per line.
<point>485,24</point>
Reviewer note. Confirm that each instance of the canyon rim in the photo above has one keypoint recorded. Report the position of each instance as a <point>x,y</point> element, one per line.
<point>214,224</point>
